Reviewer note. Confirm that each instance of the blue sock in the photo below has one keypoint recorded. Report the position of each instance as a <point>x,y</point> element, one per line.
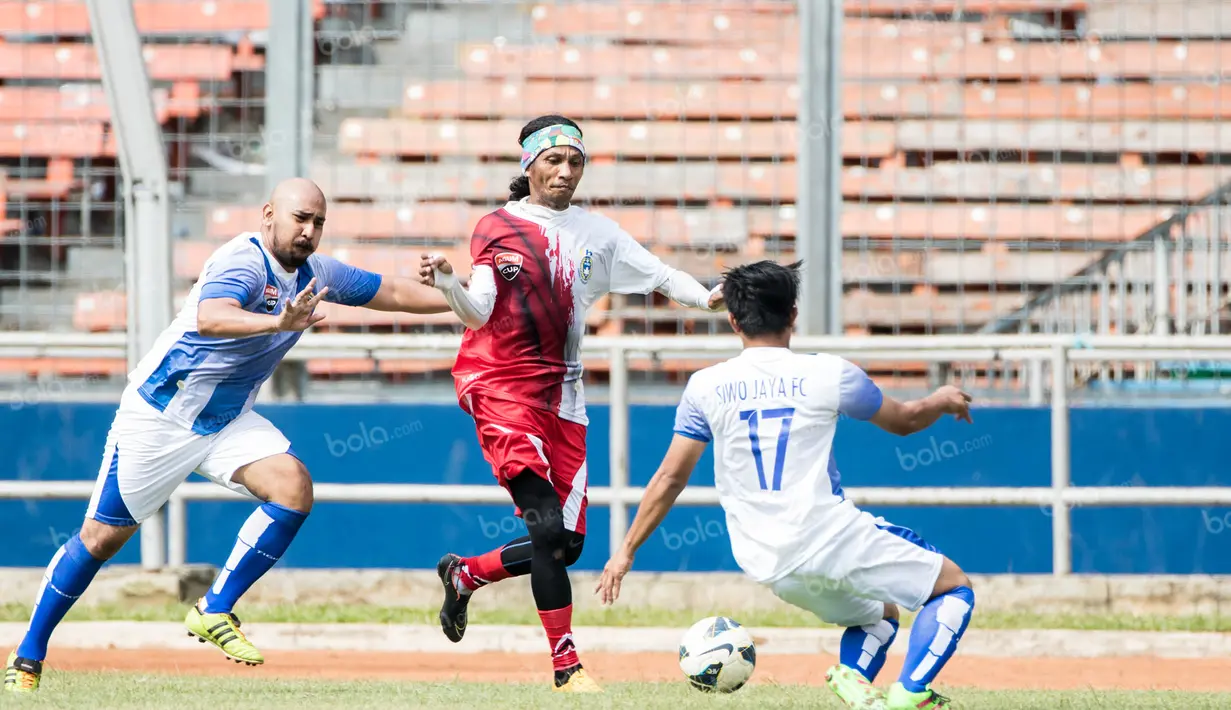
<point>864,648</point>
<point>69,573</point>
<point>262,541</point>
<point>935,634</point>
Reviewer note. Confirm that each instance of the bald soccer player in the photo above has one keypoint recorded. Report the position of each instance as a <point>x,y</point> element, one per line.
<point>188,407</point>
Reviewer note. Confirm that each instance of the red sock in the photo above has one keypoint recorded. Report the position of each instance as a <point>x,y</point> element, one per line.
<point>558,623</point>
<point>476,572</point>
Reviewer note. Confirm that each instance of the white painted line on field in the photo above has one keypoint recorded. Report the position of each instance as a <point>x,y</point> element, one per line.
<point>530,639</point>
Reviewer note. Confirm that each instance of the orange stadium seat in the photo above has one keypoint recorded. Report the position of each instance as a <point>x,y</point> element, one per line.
<point>1188,102</point>
<point>706,99</point>
<point>80,61</point>
<point>1038,181</point>
<point>1159,18</point>
<point>664,225</point>
<point>993,222</point>
<point>644,100</point>
<point>859,307</point>
<point>89,103</point>
<point>70,139</point>
<point>673,181</point>
<point>375,136</point>
<point>934,266</point>
<point>718,23</point>
<point>913,59</point>
<point>1077,136</point>
<point>985,6</point>
<point>64,367</point>
<point>56,184</point>
<point>70,17</point>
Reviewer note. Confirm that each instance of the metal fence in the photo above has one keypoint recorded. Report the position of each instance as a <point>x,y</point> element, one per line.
<point>1059,361</point>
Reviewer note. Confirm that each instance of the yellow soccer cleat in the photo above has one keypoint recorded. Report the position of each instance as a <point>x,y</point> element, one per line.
<point>853,689</point>
<point>577,681</point>
<point>222,630</point>
<point>21,675</point>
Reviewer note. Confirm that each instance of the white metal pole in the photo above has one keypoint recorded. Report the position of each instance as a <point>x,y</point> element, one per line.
<point>177,531</point>
<point>619,443</point>
<point>1062,560</point>
<point>143,164</point>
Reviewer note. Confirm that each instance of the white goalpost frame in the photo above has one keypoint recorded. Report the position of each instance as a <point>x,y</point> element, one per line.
<point>1060,351</point>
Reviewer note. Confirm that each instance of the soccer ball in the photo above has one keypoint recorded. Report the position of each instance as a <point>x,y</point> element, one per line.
<point>717,654</point>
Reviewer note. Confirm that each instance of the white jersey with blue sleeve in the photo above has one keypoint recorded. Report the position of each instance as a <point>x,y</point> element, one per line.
<point>205,383</point>
<point>772,415</point>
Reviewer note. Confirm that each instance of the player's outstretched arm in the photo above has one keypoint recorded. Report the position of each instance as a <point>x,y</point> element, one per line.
<point>473,304</point>
<point>905,418</point>
<point>221,315</point>
<point>666,485</point>
<point>406,296</point>
<point>636,270</point>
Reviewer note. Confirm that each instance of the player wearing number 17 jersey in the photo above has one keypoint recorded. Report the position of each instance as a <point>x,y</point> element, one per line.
<point>772,415</point>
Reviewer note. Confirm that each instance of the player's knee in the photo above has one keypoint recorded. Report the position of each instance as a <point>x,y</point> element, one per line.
<point>545,526</point>
<point>951,577</point>
<point>283,480</point>
<point>891,612</point>
<point>104,541</point>
<point>576,541</point>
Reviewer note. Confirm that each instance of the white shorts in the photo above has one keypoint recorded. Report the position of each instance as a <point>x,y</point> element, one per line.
<point>147,456</point>
<point>865,564</point>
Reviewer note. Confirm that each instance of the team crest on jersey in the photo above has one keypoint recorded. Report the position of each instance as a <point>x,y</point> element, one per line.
<point>508,264</point>
<point>271,297</point>
<point>587,263</point>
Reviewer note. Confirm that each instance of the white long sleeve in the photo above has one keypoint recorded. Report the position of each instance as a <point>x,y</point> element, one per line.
<point>687,291</point>
<point>473,306</point>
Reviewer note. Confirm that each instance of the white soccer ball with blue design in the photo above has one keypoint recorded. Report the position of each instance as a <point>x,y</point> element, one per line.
<point>717,655</point>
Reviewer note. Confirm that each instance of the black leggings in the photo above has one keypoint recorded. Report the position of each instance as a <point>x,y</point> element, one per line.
<point>549,549</point>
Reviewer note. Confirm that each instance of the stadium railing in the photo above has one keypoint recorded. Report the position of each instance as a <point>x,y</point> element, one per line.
<point>1054,362</point>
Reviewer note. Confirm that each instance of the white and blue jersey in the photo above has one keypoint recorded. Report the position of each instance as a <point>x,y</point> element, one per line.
<point>772,415</point>
<point>205,383</point>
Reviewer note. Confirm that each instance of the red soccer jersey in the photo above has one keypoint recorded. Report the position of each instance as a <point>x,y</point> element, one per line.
<point>549,267</point>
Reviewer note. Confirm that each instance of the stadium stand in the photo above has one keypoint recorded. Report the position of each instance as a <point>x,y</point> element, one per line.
<point>992,150</point>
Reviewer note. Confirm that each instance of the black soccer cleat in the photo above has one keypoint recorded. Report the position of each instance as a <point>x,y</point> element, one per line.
<point>453,610</point>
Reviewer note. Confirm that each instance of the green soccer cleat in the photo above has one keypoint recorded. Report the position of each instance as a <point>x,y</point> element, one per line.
<point>853,689</point>
<point>899,698</point>
<point>222,630</point>
<point>21,675</point>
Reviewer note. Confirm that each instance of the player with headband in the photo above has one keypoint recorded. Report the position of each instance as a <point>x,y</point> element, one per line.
<point>539,263</point>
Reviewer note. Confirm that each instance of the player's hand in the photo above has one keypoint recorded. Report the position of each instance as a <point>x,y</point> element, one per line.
<point>298,314</point>
<point>716,302</point>
<point>608,588</point>
<point>429,264</point>
<point>956,402</point>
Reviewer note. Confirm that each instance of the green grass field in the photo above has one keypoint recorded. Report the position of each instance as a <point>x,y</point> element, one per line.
<point>95,690</point>
<point>615,616</point>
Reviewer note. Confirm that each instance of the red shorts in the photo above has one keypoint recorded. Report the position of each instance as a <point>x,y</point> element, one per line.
<point>516,437</point>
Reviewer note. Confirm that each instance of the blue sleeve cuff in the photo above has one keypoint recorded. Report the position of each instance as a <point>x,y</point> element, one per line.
<point>217,289</point>
<point>694,435</point>
<point>858,397</point>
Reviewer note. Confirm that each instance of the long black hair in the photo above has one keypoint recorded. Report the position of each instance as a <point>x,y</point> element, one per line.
<point>519,187</point>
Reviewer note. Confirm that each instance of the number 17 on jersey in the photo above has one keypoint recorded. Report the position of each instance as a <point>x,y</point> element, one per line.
<point>753,417</point>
